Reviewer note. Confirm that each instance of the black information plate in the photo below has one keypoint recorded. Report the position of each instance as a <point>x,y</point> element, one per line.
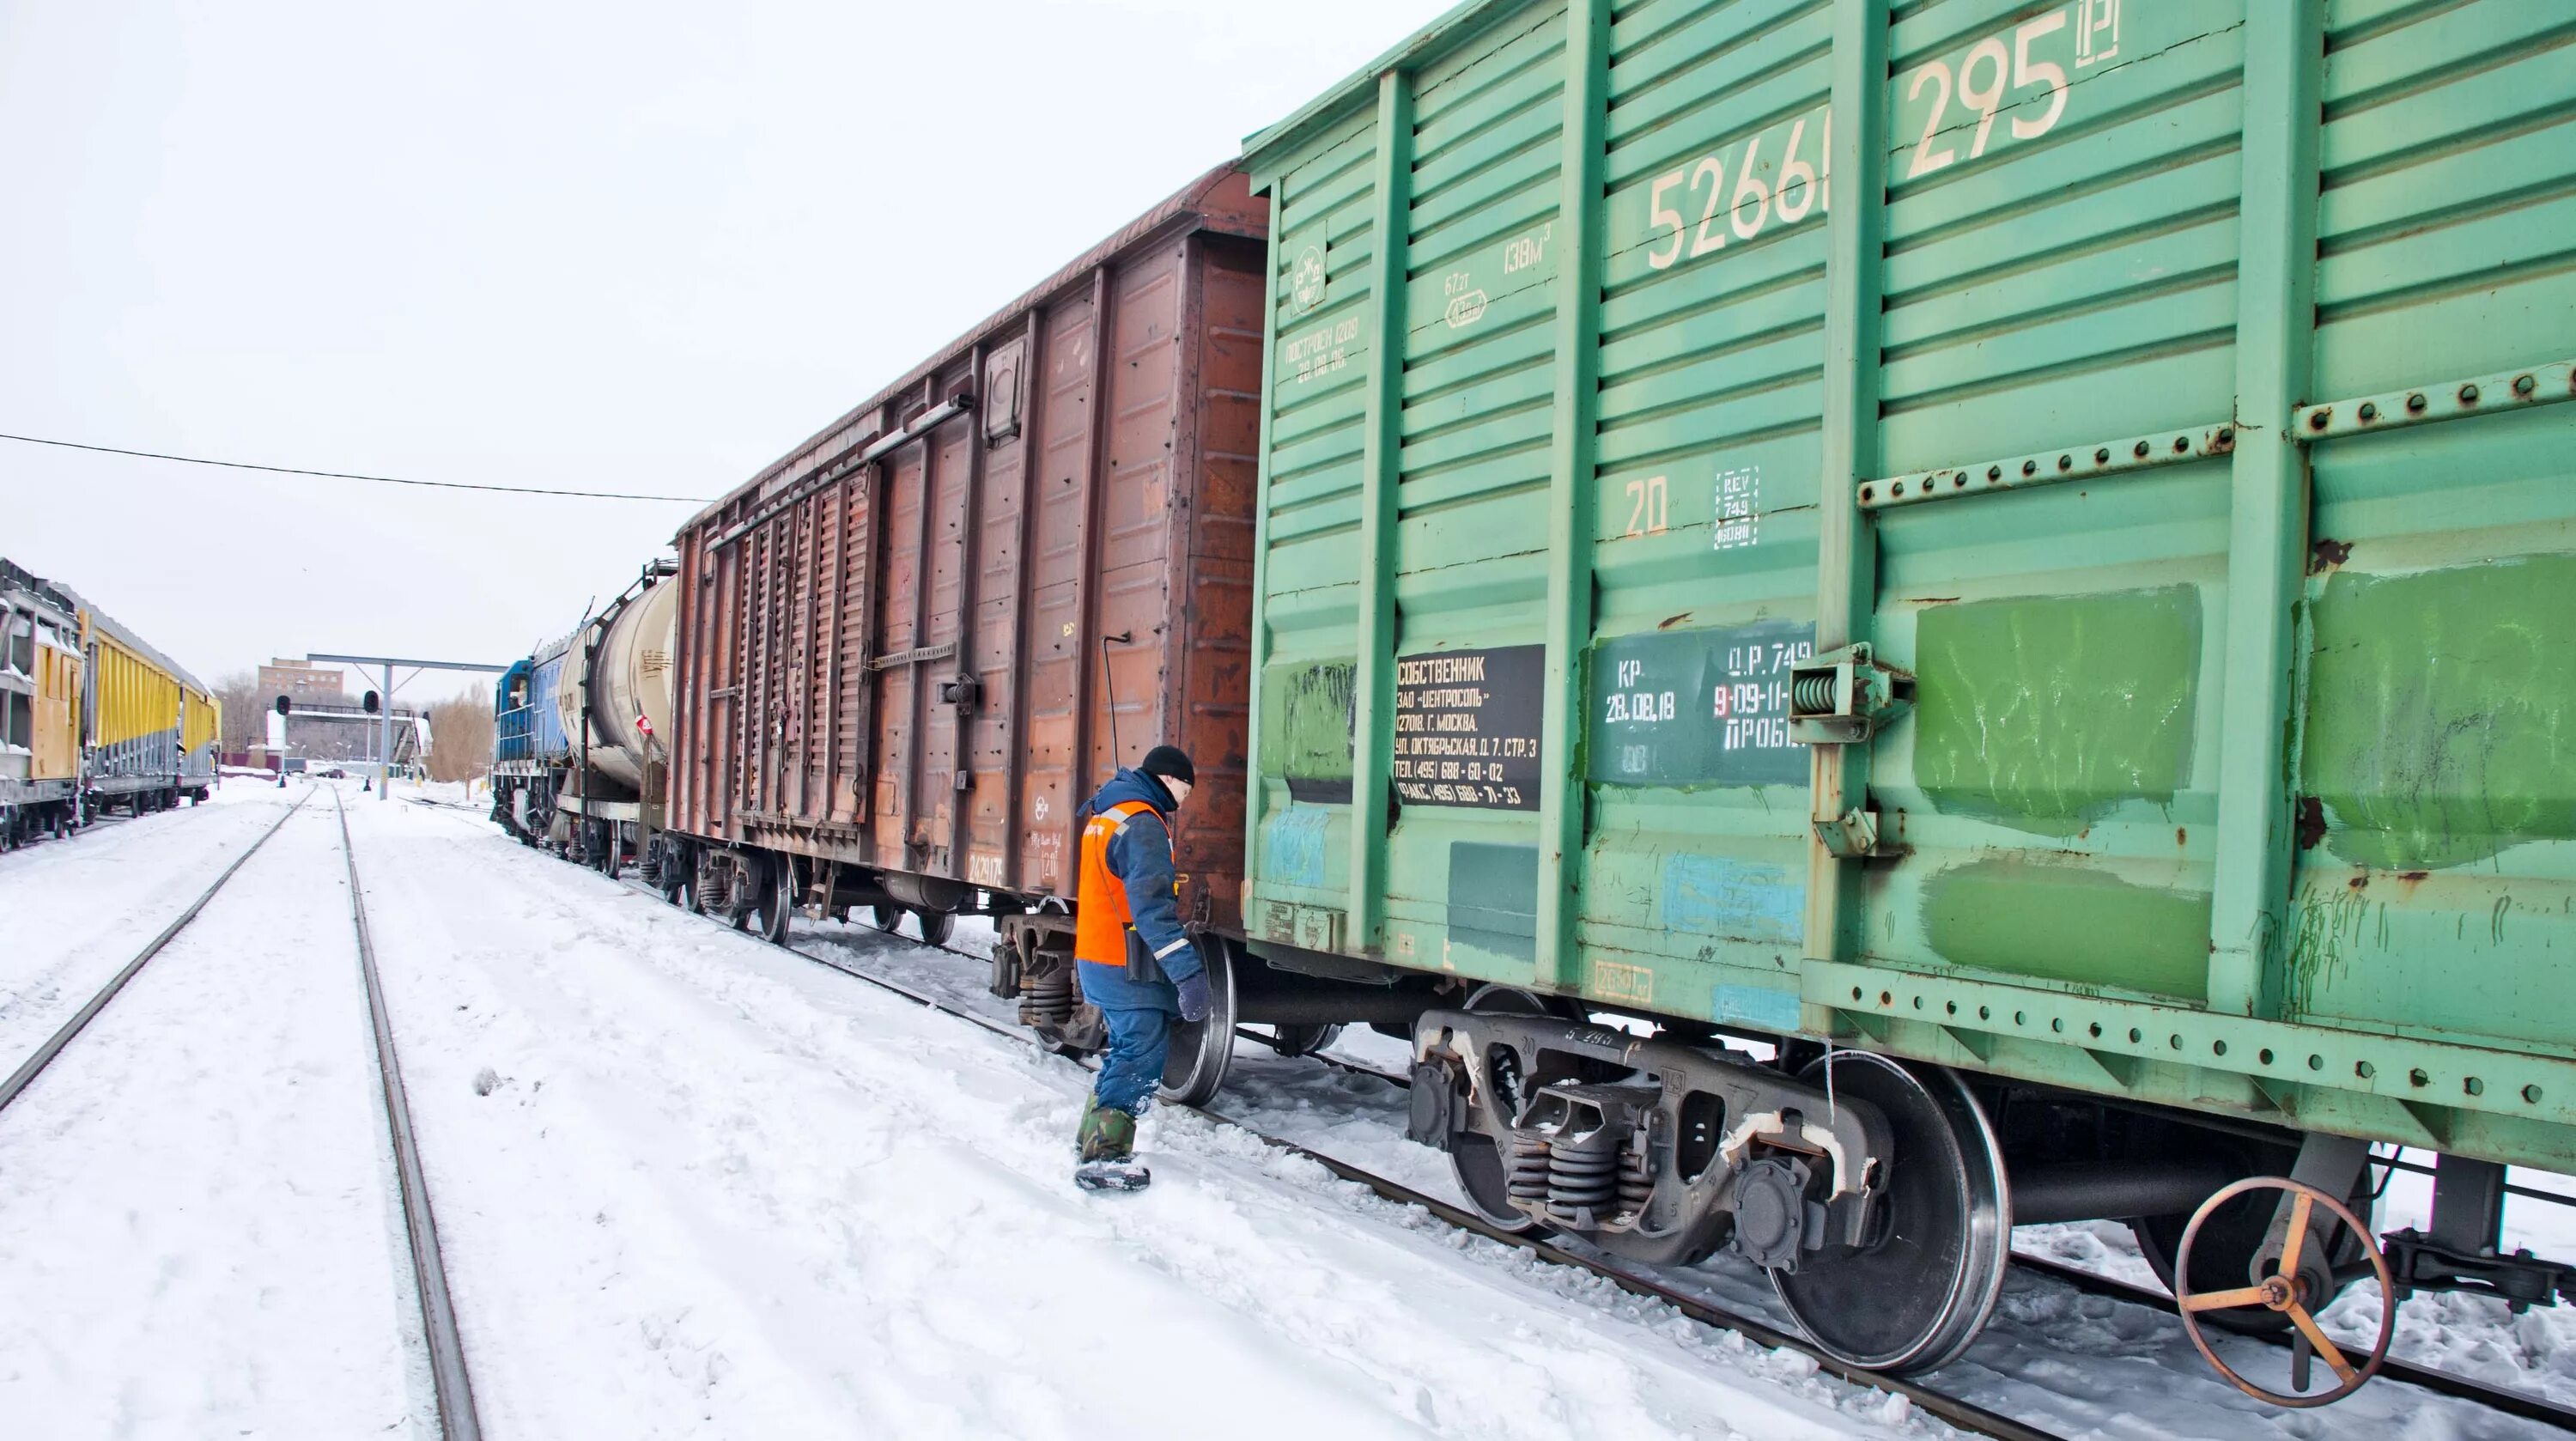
<point>1467,727</point>
<point>1698,707</point>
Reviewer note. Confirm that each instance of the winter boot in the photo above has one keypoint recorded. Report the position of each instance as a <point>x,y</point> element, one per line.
<point>1107,1146</point>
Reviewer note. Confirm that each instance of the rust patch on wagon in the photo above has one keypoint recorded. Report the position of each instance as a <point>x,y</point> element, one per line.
<point>2312,822</point>
<point>2328,554</point>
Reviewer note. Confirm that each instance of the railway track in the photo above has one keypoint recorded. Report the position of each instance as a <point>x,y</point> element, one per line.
<point>44,1054</point>
<point>1956,1411</point>
<point>1966,1415</point>
<point>2093,1283</point>
<point>457,1417</point>
<point>1963,1414</point>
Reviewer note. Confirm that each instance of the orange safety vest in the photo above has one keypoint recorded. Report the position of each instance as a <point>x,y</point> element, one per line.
<point>1101,914</point>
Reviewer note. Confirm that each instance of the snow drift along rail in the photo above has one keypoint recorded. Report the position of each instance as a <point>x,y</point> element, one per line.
<point>457,1418</point>
<point>44,1055</point>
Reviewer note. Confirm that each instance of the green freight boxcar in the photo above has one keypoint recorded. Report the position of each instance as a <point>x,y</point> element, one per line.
<point>2018,553</point>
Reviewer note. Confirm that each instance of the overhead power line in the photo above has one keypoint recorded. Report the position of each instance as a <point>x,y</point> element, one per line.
<point>347,475</point>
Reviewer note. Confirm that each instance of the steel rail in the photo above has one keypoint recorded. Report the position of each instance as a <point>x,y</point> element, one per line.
<point>457,1419</point>
<point>2518,1404</point>
<point>44,1055</point>
<point>1966,1415</point>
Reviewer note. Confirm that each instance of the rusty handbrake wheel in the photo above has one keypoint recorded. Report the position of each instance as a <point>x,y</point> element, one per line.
<point>2286,1291</point>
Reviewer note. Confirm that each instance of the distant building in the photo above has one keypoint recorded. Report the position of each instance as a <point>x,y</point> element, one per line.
<point>317,685</point>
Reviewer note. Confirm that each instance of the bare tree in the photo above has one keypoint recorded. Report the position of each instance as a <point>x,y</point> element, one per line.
<point>245,710</point>
<point>461,737</point>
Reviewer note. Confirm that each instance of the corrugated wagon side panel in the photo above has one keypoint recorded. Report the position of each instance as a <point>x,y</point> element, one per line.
<point>948,496</point>
<point>2070,359</point>
<point>1319,288</point>
<point>1000,513</point>
<point>1704,537</point>
<point>2064,276</point>
<point>1471,417</point>
<point>1065,401</point>
<point>683,802</point>
<point>1209,696</point>
<point>2443,558</point>
<point>918,599</point>
<point>1132,514</point>
<point>848,673</point>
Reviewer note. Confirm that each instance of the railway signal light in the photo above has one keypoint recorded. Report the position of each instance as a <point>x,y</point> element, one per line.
<point>372,702</point>
<point>284,706</point>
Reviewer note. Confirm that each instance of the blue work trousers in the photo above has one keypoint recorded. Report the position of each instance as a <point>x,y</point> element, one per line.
<point>1140,1018</point>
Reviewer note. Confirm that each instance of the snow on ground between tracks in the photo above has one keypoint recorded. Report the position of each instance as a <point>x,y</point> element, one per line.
<point>198,1230</point>
<point>704,1187</point>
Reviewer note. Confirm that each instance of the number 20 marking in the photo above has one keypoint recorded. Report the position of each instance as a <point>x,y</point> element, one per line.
<point>1650,510</point>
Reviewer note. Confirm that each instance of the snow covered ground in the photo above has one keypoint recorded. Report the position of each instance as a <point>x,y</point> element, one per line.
<point>694,1186</point>
<point>198,1235</point>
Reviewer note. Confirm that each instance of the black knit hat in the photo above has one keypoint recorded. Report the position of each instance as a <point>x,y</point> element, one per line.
<point>1171,762</point>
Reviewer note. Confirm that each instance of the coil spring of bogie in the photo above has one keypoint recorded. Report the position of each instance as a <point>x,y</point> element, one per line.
<point>1046,998</point>
<point>1812,694</point>
<point>1582,1178</point>
<point>1527,1178</point>
<point>1636,1183</point>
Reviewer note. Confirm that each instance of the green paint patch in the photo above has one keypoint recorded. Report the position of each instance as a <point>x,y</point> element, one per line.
<point>2070,923</point>
<point>2045,713</point>
<point>2442,712</point>
<point>1306,715</point>
<point>1493,898</point>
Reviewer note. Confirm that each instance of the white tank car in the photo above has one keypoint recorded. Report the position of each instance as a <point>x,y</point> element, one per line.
<point>628,696</point>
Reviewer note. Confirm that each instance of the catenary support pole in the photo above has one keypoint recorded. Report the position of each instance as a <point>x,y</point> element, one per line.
<point>385,736</point>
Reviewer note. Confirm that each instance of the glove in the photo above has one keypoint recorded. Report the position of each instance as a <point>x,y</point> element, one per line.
<point>1195,999</point>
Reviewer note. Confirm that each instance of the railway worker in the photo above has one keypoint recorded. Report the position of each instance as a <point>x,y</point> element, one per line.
<point>1136,962</point>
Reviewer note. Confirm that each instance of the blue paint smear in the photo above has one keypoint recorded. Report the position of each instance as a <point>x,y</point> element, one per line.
<point>1766,1008</point>
<point>1741,900</point>
<point>1292,846</point>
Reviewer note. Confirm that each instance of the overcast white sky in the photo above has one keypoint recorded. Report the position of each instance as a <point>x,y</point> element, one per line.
<point>629,246</point>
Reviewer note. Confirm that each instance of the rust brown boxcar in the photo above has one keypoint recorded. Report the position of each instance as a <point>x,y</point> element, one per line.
<point>913,647</point>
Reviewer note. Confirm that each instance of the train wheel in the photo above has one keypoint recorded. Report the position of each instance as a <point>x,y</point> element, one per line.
<point>936,926</point>
<point>2296,1285</point>
<point>888,919</point>
<point>1194,1070</point>
<point>776,883</point>
<point>1912,1297</point>
<point>1475,1159</point>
